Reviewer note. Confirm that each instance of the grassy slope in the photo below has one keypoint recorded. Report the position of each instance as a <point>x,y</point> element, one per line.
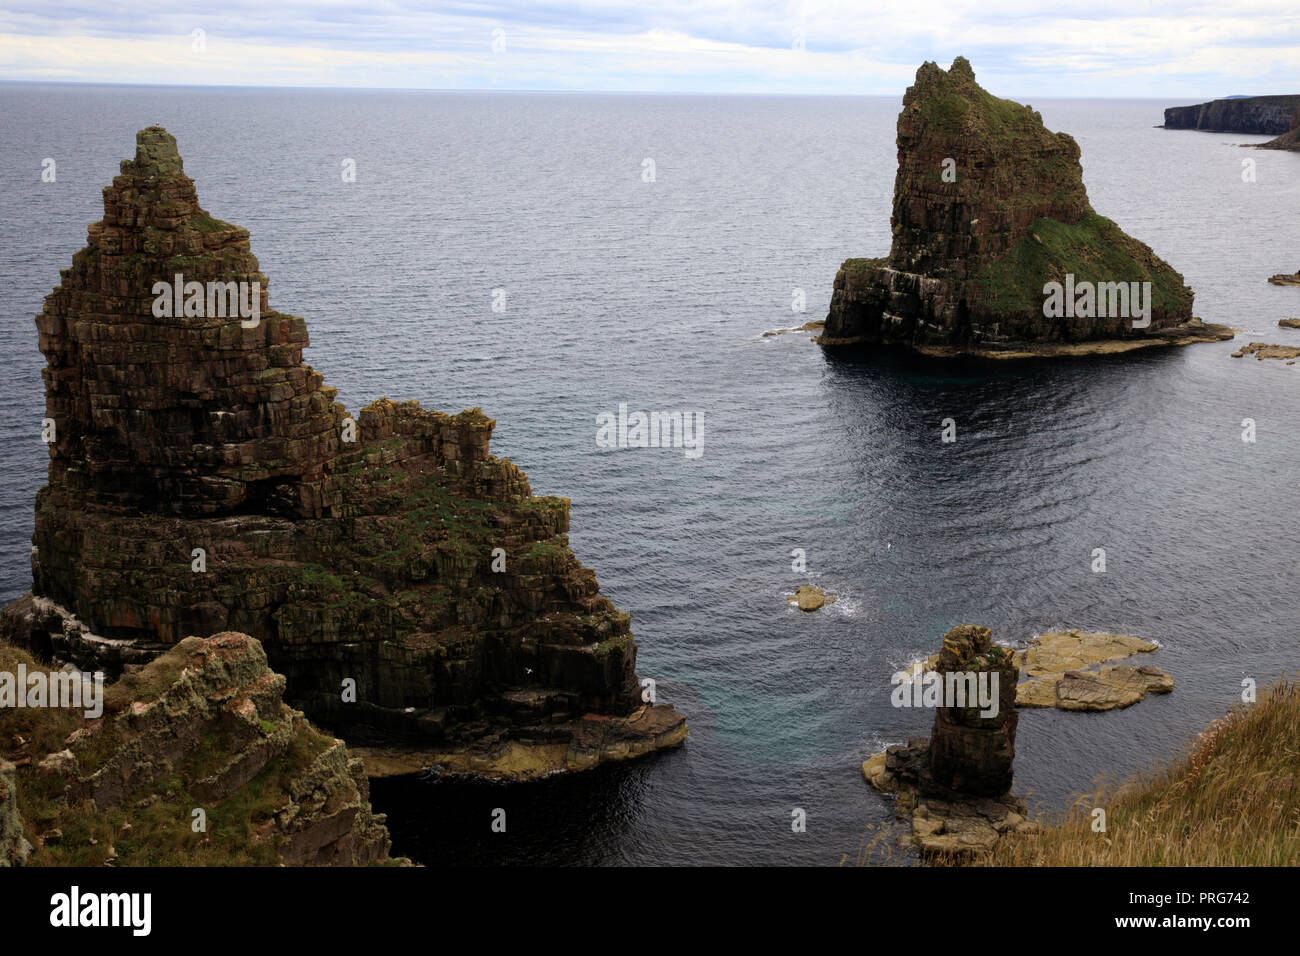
<point>1232,800</point>
<point>1094,250</point>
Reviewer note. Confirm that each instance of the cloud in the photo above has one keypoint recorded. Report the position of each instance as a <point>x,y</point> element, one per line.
<point>1100,48</point>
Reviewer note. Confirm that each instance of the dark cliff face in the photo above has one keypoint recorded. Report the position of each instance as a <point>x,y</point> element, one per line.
<point>202,479</point>
<point>1289,140</point>
<point>1257,115</point>
<point>989,206</point>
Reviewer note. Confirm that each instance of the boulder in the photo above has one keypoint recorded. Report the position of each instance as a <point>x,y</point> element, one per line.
<point>810,598</point>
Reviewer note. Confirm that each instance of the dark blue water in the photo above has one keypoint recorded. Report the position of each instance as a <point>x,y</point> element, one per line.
<point>656,294</point>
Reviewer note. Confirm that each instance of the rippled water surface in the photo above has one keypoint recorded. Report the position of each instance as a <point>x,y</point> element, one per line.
<point>656,294</point>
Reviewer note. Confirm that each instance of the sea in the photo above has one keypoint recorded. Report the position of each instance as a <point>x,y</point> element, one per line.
<point>551,256</point>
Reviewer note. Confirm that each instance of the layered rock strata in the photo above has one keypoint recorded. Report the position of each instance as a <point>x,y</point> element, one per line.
<point>989,208</point>
<point>202,479</point>
<point>195,759</point>
<point>955,786</point>
<point>1257,115</point>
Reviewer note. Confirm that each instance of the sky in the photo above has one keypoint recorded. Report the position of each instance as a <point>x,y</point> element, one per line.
<point>1098,48</point>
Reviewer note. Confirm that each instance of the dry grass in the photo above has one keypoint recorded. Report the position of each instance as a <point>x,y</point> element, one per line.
<point>1232,800</point>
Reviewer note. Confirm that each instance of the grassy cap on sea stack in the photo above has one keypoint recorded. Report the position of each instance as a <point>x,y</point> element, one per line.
<point>155,154</point>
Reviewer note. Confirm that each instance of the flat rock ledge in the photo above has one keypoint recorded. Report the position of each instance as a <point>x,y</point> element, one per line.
<point>810,598</point>
<point>1193,332</point>
<point>1289,323</point>
<point>814,326</point>
<point>1061,672</point>
<point>944,823</point>
<point>1262,350</point>
<point>539,751</point>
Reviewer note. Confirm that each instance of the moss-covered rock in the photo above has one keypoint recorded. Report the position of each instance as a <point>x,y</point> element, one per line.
<point>202,479</point>
<point>196,760</point>
<point>989,208</point>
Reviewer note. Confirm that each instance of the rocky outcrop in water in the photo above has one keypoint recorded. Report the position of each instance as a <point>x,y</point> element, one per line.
<point>955,786</point>
<point>809,597</point>
<point>1263,350</point>
<point>202,479</point>
<point>1285,278</point>
<point>195,760</point>
<point>1060,670</point>
<point>1257,115</point>
<point>989,208</point>
<point>970,752</point>
<point>1287,141</point>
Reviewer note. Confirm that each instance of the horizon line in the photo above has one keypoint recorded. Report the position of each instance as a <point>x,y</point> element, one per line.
<point>459,89</point>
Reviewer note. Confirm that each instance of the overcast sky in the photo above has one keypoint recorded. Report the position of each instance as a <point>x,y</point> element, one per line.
<point>1161,49</point>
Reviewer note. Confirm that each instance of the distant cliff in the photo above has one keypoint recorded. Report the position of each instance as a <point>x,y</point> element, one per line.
<point>1257,115</point>
<point>990,210</point>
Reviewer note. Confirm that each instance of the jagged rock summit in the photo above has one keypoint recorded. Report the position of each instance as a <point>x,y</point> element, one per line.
<point>989,207</point>
<point>203,479</point>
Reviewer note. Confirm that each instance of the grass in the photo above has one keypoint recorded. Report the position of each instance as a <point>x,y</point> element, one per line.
<point>1233,799</point>
<point>202,222</point>
<point>1094,249</point>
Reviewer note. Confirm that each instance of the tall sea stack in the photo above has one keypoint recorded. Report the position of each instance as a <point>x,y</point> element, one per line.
<point>202,479</point>
<point>989,207</point>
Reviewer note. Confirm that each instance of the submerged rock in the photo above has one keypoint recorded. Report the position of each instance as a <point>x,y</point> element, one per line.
<point>990,207</point>
<point>810,598</point>
<point>813,326</point>
<point>202,479</point>
<point>1262,350</point>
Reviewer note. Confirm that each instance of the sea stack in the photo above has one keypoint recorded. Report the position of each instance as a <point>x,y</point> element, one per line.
<point>989,210</point>
<point>971,752</point>
<point>202,479</point>
<point>955,786</point>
